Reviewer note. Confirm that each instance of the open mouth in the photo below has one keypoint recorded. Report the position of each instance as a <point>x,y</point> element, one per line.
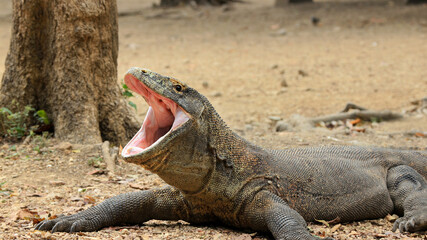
<point>163,117</point>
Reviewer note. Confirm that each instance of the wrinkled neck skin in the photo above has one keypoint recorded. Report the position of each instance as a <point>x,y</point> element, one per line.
<point>188,161</point>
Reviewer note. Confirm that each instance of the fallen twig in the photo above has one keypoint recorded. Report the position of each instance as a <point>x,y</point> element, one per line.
<point>411,133</point>
<point>360,113</point>
<point>350,106</point>
<point>385,115</point>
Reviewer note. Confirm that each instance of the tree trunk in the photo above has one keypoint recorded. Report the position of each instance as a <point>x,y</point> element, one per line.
<point>63,59</point>
<point>175,3</point>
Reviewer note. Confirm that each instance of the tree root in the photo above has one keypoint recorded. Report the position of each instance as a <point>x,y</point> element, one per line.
<point>110,156</point>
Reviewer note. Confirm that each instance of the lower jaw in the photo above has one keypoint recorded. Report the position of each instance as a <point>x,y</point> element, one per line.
<point>151,162</point>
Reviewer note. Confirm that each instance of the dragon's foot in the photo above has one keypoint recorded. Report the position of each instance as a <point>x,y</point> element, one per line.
<point>411,222</point>
<point>72,223</point>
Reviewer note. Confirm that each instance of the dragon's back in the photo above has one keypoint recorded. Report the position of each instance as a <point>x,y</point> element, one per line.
<point>330,181</point>
<point>340,157</point>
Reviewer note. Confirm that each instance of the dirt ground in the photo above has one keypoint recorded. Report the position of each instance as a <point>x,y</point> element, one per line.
<point>371,53</point>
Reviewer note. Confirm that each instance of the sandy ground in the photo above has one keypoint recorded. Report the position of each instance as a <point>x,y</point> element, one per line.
<point>373,54</point>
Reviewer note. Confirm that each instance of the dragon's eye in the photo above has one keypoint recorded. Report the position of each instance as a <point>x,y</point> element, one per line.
<point>178,88</point>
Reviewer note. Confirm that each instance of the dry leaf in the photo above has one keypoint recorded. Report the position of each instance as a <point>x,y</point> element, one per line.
<point>359,129</point>
<point>137,186</point>
<point>25,214</point>
<point>76,199</point>
<point>323,221</point>
<point>244,236</point>
<point>335,228</point>
<point>335,220</point>
<point>89,200</point>
<point>391,218</point>
<point>419,134</point>
<point>355,121</point>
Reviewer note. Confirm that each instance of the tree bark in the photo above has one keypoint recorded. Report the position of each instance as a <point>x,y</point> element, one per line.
<point>63,59</point>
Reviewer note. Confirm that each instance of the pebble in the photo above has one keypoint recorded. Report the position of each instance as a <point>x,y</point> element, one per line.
<point>302,73</point>
<point>56,183</point>
<point>205,84</point>
<point>281,32</point>
<point>315,21</point>
<point>63,146</point>
<point>217,94</point>
<point>282,126</point>
<point>282,90</point>
<point>274,118</point>
<point>283,83</point>
<point>249,127</point>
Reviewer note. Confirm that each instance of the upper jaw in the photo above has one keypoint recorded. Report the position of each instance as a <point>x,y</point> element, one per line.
<point>163,121</point>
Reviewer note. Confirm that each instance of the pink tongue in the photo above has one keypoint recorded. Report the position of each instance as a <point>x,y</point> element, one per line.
<point>162,113</point>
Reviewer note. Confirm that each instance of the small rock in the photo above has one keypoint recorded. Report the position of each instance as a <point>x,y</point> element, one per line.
<point>302,73</point>
<point>282,90</point>
<point>315,21</point>
<point>217,94</point>
<point>56,183</point>
<point>64,146</point>
<point>274,118</point>
<point>281,32</point>
<point>275,66</point>
<point>205,84</point>
<point>282,126</point>
<point>249,127</point>
<point>283,83</point>
<point>321,124</point>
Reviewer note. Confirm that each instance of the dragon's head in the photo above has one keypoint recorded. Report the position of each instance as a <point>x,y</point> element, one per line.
<point>173,131</point>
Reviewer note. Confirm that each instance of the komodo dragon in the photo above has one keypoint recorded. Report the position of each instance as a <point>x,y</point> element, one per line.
<point>215,176</point>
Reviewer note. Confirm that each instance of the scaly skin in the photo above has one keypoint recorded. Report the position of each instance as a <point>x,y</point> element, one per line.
<point>217,176</point>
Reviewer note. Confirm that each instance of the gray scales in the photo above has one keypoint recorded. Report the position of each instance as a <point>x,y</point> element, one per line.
<point>216,176</point>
